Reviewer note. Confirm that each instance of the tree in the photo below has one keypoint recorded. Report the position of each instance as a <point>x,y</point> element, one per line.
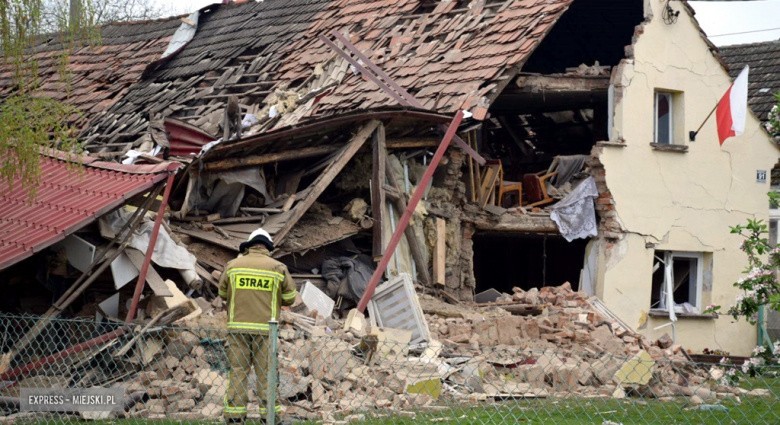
<point>56,12</point>
<point>773,120</point>
<point>29,122</point>
<point>759,287</point>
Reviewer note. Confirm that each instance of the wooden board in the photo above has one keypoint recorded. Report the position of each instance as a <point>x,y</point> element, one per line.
<point>210,237</point>
<point>488,185</point>
<point>323,180</point>
<point>277,222</point>
<point>440,252</point>
<point>156,283</point>
<point>378,178</point>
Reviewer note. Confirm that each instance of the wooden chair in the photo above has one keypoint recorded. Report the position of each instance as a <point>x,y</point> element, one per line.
<point>510,194</point>
<point>494,190</point>
<point>536,188</point>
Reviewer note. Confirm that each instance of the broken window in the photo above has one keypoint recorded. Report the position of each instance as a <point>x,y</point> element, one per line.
<point>682,274</point>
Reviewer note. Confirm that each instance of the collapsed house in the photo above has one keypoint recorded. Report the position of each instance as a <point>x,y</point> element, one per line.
<point>573,163</point>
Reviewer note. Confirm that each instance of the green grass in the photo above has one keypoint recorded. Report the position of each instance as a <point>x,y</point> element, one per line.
<point>583,411</point>
<point>572,411</point>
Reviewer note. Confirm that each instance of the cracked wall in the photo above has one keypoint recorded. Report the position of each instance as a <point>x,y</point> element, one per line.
<point>676,200</point>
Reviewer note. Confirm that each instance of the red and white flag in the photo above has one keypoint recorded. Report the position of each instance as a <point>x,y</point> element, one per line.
<point>732,108</point>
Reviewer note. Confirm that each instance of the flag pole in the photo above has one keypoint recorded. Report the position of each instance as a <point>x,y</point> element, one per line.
<point>692,134</point>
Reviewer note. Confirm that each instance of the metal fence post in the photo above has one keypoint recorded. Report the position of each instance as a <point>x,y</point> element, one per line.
<point>273,348</point>
<point>761,322</point>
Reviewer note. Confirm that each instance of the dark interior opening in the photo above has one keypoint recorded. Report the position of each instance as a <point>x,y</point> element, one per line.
<point>528,143</point>
<point>683,276</point>
<point>504,261</point>
<point>593,30</point>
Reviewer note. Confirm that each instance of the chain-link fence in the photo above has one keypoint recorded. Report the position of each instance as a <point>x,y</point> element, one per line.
<point>327,375</point>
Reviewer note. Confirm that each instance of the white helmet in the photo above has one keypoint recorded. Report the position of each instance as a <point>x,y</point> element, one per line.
<point>260,232</point>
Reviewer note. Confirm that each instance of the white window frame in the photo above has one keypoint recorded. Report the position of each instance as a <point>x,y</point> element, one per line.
<point>697,291</point>
<point>670,98</point>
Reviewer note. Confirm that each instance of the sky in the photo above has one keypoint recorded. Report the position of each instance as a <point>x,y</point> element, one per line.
<point>719,19</point>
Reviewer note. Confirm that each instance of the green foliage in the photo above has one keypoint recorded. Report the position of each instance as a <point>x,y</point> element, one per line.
<point>759,287</point>
<point>773,121</point>
<point>28,122</point>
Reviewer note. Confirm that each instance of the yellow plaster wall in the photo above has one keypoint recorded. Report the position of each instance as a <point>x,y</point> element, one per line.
<point>674,200</point>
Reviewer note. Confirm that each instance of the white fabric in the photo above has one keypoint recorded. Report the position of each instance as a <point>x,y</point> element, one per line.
<point>669,285</point>
<point>589,269</point>
<point>738,101</point>
<point>575,214</point>
<point>248,121</point>
<point>133,154</point>
<point>166,252</point>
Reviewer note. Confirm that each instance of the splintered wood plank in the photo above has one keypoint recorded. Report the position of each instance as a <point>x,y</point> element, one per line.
<point>240,228</point>
<point>276,222</point>
<point>399,202</point>
<point>156,283</point>
<point>289,203</point>
<point>440,253</point>
<point>232,220</point>
<point>205,275</point>
<point>323,180</point>
<point>257,160</point>
<point>378,178</point>
<point>487,188</point>
<point>211,237</point>
<point>314,236</point>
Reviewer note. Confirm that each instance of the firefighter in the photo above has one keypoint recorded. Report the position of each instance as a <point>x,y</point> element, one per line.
<point>255,286</point>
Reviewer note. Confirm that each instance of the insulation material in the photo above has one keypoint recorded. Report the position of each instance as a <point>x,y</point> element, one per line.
<point>80,252</point>
<point>166,252</point>
<point>316,300</point>
<point>109,306</point>
<point>123,271</point>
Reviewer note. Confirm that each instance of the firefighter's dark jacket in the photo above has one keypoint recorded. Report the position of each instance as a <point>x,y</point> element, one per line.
<point>255,287</point>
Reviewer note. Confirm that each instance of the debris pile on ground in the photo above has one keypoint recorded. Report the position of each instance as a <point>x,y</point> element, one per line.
<point>329,368</point>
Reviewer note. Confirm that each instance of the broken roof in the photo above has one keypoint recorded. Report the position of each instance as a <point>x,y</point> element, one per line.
<point>764,81</point>
<point>97,75</point>
<point>451,55</point>
<point>66,200</point>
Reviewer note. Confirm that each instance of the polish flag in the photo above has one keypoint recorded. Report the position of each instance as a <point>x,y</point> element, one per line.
<point>732,108</point>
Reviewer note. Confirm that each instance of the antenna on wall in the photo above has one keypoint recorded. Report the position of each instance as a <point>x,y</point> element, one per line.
<point>669,15</point>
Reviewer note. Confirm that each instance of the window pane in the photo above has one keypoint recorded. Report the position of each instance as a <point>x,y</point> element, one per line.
<point>686,280</point>
<point>663,118</point>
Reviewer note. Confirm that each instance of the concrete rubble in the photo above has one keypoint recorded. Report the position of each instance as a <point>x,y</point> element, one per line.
<point>481,353</point>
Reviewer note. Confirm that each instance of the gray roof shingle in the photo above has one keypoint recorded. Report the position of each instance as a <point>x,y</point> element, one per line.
<point>764,78</point>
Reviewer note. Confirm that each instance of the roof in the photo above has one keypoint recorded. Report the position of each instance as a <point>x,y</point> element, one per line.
<point>67,199</point>
<point>451,55</point>
<point>99,74</point>
<point>764,80</point>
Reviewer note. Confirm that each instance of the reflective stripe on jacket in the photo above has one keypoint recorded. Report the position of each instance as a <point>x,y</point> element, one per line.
<point>255,287</point>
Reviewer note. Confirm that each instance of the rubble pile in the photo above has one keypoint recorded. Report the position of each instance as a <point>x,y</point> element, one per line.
<point>329,368</point>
